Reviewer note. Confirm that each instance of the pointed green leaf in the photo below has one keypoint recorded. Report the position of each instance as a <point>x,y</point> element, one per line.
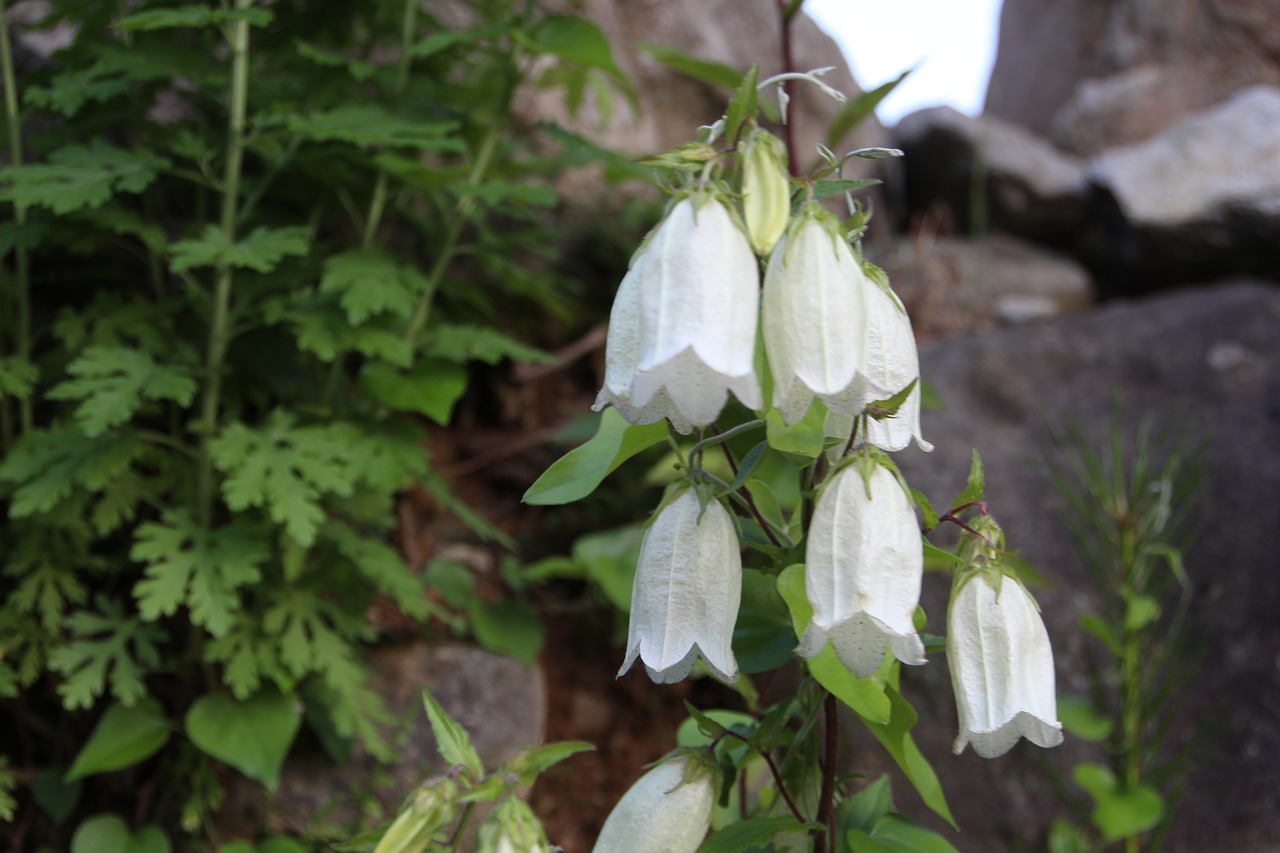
<point>261,250</point>
<point>451,738</point>
<point>743,105</point>
<point>79,176</point>
<point>976,486</point>
<point>124,736</point>
<point>807,437</point>
<point>577,40</point>
<point>749,834</point>
<point>431,387</point>
<point>705,71</point>
<point>508,627</point>
<point>857,109</point>
<point>581,470</point>
<point>252,736</point>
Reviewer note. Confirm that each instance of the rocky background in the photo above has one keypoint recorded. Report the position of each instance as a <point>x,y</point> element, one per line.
<point>1109,228</point>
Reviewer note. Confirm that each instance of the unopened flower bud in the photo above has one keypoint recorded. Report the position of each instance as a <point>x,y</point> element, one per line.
<point>766,191</point>
<point>668,810</point>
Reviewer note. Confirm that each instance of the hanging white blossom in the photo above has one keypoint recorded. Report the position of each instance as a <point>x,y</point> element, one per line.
<point>814,319</point>
<point>688,585</point>
<point>1001,667</point>
<point>683,327</point>
<point>892,364</point>
<point>667,810</point>
<point>864,563</point>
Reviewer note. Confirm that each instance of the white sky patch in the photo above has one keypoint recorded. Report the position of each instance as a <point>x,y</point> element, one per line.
<point>952,41</point>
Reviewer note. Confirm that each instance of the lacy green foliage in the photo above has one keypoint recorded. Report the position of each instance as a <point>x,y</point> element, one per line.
<point>261,248</point>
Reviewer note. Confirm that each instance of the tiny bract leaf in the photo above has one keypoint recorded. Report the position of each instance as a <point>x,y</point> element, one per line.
<point>976,486</point>
<point>743,105</point>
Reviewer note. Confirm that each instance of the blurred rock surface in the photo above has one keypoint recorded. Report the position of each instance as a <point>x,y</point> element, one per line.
<point>1212,353</point>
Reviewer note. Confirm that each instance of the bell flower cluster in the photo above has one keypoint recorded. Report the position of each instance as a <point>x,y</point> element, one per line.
<point>1000,658</point>
<point>687,589</point>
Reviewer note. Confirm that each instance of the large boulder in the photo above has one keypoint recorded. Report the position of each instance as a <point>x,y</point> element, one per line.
<point>1092,74</point>
<point>1028,188</point>
<point>1213,354</point>
<point>1198,201</point>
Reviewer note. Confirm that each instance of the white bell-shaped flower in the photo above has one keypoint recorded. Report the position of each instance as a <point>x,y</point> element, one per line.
<point>864,563</point>
<point>688,585</point>
<point>667,810</point>
<point>814,318</point>
<point>1001,667</point>
<point>682,331</point>
<point>892,364</point>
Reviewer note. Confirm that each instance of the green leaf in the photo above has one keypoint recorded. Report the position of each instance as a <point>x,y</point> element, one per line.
<point>192,16</point>
<point>1140,611</point>
<point>826,189</point>
<point>47,466</point>
<point>261,251</point>
<point>864,809</point>
<point>368,125</point>
<point>252,736</point>
<point>508,627</point>
<point>744,104</point>
<point>926,509</point>
<point>1082,719</point>
<point>70,90</point>
<point>576,40</point>
<point>807,437</point>
<point>609,559</point>
<point>1093,624</point>
<point>371,282</point>
<point>763,638</point>
<point>705,71</point>
<point>56,797</point>
<point>1120,811</point>
<point>357,68</point>
<point>431,387</point>
<point>754,832</point>
<point>285,468</point>
<point>693,731</point>
<point>897,833</point>
<point>857,109</point>
<point>79,176</point>
<point>1066,837</point>
<point>528,763</point>
<point>708,727</point>
<point>190,564</point>
<point>976,486</point>
<point>107,645</point>
<point>581,470</point>
<point>451,738</point>
<point>123,737</point>
<point>896,738</point>
<point>108,833</point>
<point>462,343</point>
<point>113,382</point>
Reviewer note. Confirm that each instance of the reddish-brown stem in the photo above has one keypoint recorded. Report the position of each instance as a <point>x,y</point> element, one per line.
<point>777,776</point>
<point>826,799</point>
<point>745,492</point>
<point>788,66</point>
<point>965,527</point>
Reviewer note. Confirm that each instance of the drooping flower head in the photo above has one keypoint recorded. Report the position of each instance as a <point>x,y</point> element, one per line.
<point>892,364</point>
<point>687,589</point>
<point>667,810</point>
<point>683,327</point>
<point>814,318</point>
<point>1000,659</point>
<point>864,562</point>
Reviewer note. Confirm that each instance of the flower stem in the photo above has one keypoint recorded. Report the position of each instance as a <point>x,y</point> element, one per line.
<point>788,67</point>
<point>219,329</point>
<point>22,295</point>
<point>777,776</point>
<point>826,799</point>
<point>462,210</point>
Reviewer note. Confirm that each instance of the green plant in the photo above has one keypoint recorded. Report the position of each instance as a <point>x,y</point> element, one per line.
<point>254,247</point>
<point>1130,516</point>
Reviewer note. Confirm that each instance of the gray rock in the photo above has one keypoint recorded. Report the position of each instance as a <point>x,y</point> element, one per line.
<point>1198,202</point>
<point>1213,353</point>
<point>1031,190</point>
<point>499,701</point>
<point>951,285</point>
<point>1093,74</point>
